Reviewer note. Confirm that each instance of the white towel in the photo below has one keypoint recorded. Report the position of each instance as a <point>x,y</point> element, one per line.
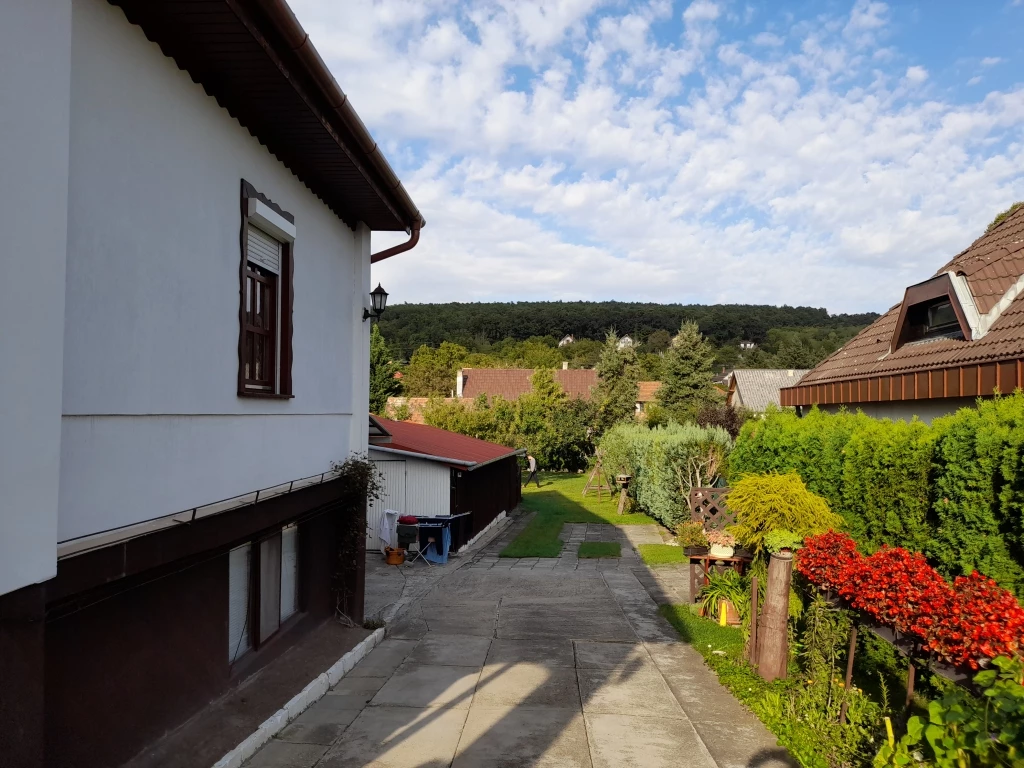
<point>387,529</point>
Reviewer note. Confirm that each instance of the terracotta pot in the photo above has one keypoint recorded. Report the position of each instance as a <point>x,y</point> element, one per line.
<point>394,556</point>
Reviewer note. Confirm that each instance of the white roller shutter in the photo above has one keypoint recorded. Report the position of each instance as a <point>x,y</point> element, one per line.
<point>263,250</point>
<point>289,571</point>
<point>238,601</point>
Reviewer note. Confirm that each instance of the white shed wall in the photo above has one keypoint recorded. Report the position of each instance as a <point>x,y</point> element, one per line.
<point>35,81</point>
<point>152,421</point>
<point>428,488</point>
<point>426,491</point>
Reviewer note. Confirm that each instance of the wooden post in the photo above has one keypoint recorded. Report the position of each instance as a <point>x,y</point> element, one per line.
<point>849,674</point>
<point>773,651</point>
<point>622,501</point>
<point>911,674</point>
<point>752,645</point>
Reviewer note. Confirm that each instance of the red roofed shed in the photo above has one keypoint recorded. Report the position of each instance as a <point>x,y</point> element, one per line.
<point>430,472</point>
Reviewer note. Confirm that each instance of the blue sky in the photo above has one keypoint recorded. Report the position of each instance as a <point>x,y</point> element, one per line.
<point>816,153</point>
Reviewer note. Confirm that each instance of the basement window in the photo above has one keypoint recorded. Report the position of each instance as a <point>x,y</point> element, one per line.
<point>263,589</point>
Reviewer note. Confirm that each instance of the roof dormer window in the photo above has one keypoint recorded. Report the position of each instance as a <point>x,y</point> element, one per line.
<point>931,310</point>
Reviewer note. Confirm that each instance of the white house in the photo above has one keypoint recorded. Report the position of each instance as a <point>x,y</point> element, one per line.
<point>187,204</point>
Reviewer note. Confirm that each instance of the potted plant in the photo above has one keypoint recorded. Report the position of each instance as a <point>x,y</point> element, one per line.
<point>723,589</point>
<point>723,543</point>
<point>690,536</point>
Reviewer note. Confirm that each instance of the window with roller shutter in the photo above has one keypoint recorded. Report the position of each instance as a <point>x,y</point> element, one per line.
<point>264,348</point>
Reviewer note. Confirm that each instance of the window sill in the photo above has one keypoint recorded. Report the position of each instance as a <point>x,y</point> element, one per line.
<point>264,395</point>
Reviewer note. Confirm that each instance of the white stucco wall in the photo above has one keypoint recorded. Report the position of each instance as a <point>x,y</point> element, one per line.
<point>35,73</point>
<point>906,410</point>
<point>152,422</point>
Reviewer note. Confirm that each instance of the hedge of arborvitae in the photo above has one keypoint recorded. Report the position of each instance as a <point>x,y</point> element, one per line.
<point>953,490</point>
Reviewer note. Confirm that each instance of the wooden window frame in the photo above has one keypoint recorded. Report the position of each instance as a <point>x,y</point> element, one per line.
<point>280,354</point>
<point>254,622</point>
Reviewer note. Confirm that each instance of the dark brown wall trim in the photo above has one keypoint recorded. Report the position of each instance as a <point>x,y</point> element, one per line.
<point>218,532</point>
<point>975,380</point>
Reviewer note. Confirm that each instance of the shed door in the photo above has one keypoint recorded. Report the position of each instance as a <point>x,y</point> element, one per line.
<point>393,497</point>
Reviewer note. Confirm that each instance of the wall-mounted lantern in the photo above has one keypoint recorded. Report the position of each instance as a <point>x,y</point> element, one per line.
<point>378,300</point>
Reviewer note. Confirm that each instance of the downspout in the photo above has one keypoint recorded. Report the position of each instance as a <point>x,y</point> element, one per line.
<point>408,245</point>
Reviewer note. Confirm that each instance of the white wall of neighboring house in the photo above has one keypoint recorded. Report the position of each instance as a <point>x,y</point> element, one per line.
<point>152,423</point>
<point>906,410</point>
<point>35,68</point>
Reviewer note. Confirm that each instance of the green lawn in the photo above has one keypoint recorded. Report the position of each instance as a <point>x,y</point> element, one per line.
<point>600,549</point>
<point>662,554</point>
<point>560,500</point>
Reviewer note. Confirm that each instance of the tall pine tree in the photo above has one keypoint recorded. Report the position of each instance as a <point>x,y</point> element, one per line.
<point>618,374</point>
<point>383,383</point>
<point>687,383</point>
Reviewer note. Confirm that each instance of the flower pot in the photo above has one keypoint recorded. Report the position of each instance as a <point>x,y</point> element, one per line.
<point>720,550</point>
<point>394,556</point>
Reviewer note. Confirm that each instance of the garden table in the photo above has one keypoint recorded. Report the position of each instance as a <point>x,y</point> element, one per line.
<point>702,561</point>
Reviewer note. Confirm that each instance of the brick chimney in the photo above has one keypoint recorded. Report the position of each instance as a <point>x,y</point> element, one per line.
<point>459,380</point>
<point>565,365</point>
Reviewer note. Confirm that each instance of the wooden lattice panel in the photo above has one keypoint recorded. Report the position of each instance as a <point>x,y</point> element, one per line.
<point>708,506</point>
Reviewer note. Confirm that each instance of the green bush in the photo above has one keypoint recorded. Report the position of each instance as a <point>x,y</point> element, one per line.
<point>885,483</point>
<point>664,463</point>
<point>953,490</point>
<point>978,501</point>
<point>772,503</point>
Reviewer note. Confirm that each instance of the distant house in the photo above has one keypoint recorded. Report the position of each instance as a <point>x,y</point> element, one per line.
<point>624,342</point>
<point>955,337</point>
<point>647,394</point>
<point>510,383</point>
<point>430,472</point>
<point>747,345</point>
<point>754,389</point>
<point>566,340</point>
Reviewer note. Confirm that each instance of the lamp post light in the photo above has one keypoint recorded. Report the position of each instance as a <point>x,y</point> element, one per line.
<point>379,301</point>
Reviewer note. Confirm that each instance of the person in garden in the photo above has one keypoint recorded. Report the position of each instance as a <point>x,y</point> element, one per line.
<point>532,466</point>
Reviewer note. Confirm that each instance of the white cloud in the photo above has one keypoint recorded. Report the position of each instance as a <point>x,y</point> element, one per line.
<point>974,80</point>
<point>575,150</point>
<point>916,75</point>
<point>991,61</point>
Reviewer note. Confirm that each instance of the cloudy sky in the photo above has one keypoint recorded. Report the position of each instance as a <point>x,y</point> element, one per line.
<point>815,153</point>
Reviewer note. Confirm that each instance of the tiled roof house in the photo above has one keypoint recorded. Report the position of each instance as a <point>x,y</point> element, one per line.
<point>756,388</point>
<point>954,337</point>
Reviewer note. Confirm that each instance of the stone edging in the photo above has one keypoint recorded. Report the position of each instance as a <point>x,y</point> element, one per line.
<point>299,703</point>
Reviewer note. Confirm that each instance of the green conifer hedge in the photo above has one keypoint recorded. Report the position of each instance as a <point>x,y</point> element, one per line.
<point>953,490</point>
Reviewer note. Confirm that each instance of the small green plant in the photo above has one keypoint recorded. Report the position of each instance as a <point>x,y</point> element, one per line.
<point>691,534</point>
<point>774,502</point>
<point>963,731</point>
<point>726,586</point>
<point>599,549</point>
<point>777,541</point>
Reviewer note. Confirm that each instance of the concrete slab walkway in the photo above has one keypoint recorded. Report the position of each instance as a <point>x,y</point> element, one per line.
<point>527,663</point>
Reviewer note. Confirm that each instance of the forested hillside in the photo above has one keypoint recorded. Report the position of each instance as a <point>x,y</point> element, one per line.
<point>477,326</point>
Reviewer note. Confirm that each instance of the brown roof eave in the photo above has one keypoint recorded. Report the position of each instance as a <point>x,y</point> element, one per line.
<point>288,26</point>
<point>980,379</point>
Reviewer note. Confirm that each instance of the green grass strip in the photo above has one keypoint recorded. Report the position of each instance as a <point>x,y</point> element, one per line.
<point>662,554</point>
<point>600,549</point>
<point>558,501</point>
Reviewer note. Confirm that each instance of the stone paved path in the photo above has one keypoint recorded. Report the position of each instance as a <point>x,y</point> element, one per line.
<point>553,662</point>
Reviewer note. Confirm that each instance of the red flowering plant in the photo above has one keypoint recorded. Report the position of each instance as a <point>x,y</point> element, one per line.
<point>825,557</point>
<point>964,623</point>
